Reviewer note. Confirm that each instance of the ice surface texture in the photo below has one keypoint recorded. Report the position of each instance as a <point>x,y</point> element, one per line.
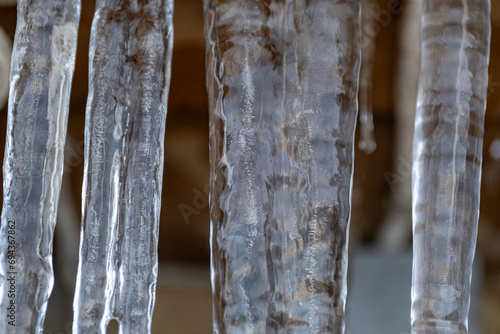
<point>282,78</point>
<point>41,72</point>
<point>130,56</point>
<point>447,161</point>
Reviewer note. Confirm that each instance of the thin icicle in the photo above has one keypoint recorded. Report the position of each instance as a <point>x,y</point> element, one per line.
<point>5,50</point>
<point>396,227</point>
<point>282,82</point>
<point>130,58</point>
<point>447,161</point>
<point>369,11</point>
<point>42,69</point>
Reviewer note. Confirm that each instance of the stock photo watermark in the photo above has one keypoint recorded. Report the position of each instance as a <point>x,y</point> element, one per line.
<point>198,204</point>
<point>401,175</point>
<point>379,18</point>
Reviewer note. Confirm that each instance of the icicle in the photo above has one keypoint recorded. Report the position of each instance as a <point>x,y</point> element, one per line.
<point>41,73</point>
<point>5,50</point>
<point>367,141</point>
<point>396,227</point>
<point>447,161</point>
<point>282,82</point>
<point>495,149</point>
<point>130,56</point>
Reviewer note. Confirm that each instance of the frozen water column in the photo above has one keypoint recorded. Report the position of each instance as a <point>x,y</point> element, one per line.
<point>130,57</point>
<point>367,142</point>
<point>40,81</point>
<point>5,51</point>
<point>282,78</point>
<point>447,161</point>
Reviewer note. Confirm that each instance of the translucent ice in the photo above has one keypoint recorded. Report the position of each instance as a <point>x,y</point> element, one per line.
<point>282,80</point>
<point>130,55</point>
<point>5,50</point>
<point>41,72</point>
<point>369,11</point>
<point>447,161</point>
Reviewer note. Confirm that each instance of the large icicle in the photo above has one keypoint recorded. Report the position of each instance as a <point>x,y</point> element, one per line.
<point>130,57</point>
<point>282,82</point>
<point>41,73</point>
<point>447,161</point>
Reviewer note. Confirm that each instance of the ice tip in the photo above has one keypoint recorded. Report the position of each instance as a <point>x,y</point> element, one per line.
<point>367,146</point>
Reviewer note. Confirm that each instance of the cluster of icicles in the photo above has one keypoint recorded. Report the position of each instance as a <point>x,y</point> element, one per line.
<point>282,78</point>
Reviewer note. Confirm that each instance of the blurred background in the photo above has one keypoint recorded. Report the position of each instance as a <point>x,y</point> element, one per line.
<point>380,242</point>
